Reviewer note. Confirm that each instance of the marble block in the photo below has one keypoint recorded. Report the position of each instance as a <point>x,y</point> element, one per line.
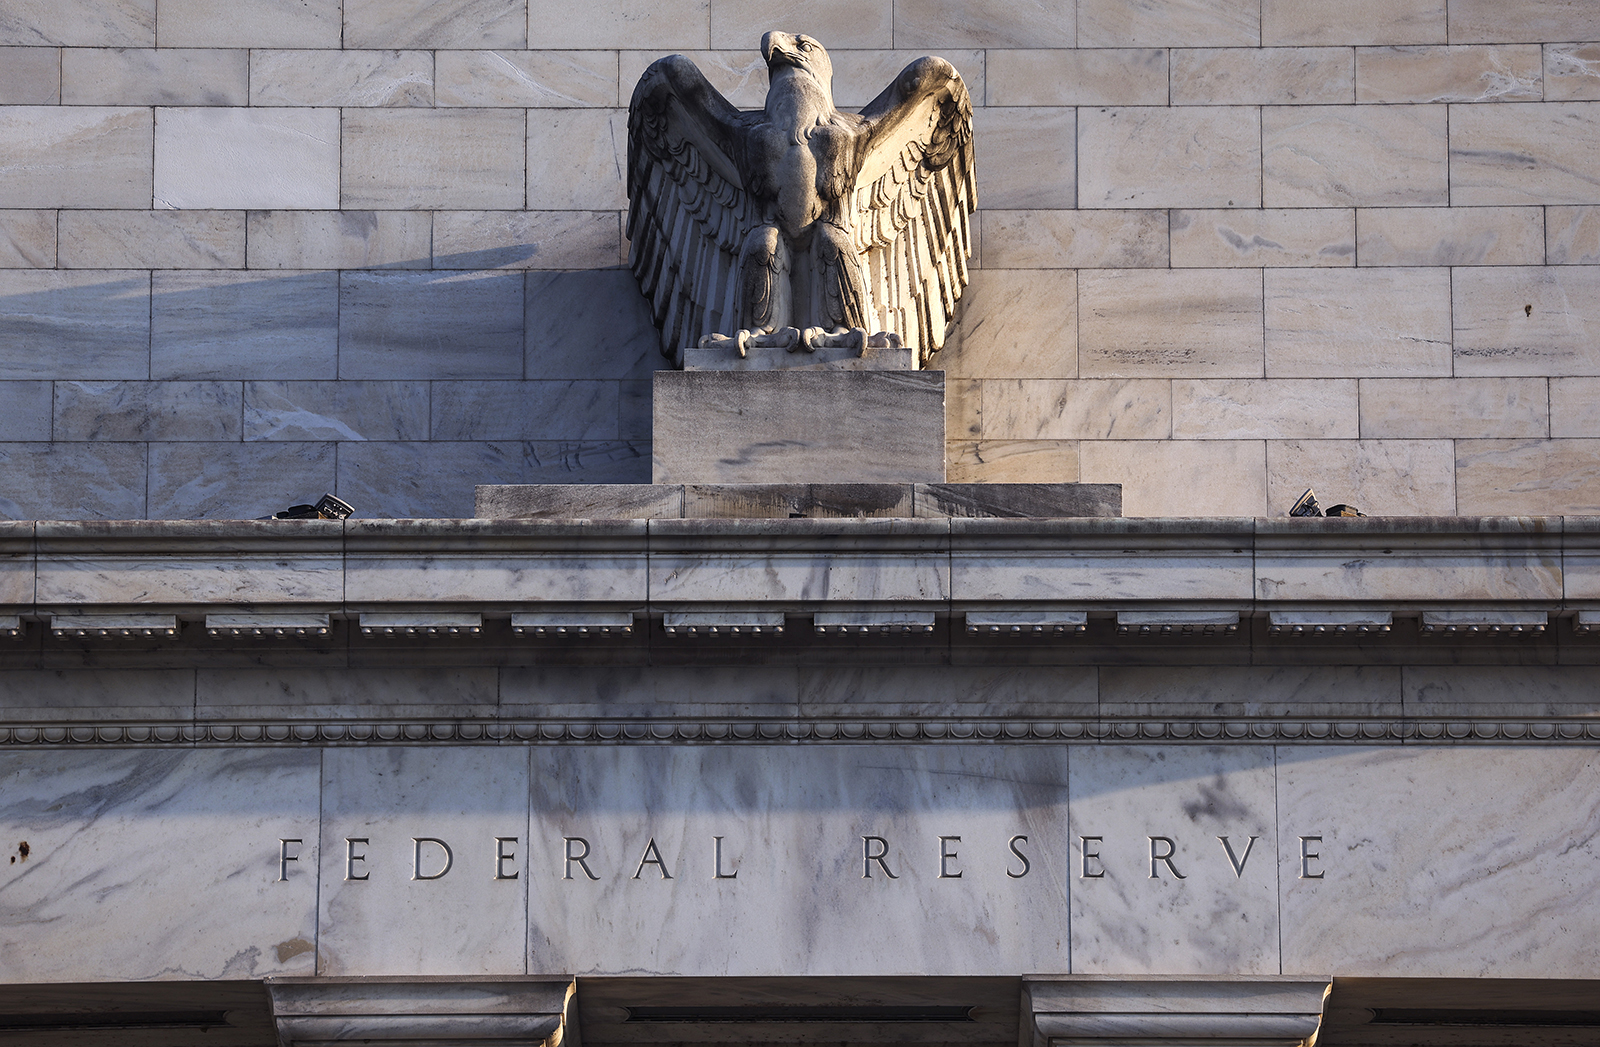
<point>1440,861</point>
<point>1209,906</point>
<point>798,427</point>
<point>237,158</point>
<point>434,893</point>
<point>164,865</point>
<point>796,826</point>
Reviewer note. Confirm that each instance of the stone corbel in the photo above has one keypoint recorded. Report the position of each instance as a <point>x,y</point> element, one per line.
<point>382,1012</point>
<point>1171,1012</point>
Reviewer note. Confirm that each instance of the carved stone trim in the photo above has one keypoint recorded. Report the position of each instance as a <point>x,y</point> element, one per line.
<point>961,732</point>
<point>522,1013</point>
<point>1232,1012</point>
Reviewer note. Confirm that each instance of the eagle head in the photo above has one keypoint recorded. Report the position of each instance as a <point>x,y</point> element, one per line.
<point>800,52</point>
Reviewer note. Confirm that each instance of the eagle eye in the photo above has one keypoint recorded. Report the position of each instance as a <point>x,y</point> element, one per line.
<point>805,45</point>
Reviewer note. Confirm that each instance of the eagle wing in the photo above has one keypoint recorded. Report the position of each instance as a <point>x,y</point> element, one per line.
<point>912,201</point>
<point>688,210</point>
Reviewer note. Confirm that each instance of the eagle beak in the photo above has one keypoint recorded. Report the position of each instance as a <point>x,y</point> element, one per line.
<point>779,47</point>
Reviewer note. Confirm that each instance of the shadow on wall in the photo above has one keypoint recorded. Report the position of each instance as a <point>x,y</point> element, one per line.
<point>182,394</point>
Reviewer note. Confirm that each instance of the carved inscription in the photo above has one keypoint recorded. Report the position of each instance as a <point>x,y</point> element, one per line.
<point>433,858</point>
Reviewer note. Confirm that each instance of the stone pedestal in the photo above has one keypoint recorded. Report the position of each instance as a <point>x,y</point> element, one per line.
<point>798,426</point>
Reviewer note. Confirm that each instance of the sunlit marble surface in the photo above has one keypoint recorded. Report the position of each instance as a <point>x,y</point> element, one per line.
<point>793,823</point>
<point>145,865</point>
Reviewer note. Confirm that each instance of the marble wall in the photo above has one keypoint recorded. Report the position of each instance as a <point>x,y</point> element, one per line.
<point>1226,250</point>
<point>879,859</point>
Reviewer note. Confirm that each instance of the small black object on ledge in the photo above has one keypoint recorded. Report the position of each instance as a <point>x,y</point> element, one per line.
<point>1306,505</point>
<point>327,508</point>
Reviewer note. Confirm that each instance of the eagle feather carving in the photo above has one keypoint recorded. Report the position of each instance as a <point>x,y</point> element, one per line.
<point>798,224</point>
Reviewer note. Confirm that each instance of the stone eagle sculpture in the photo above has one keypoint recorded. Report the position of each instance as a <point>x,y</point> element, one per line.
<point>800,225</point>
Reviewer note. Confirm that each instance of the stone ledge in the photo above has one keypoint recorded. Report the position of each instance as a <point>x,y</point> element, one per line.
<point>795,501</point>
<point>1402,566</point>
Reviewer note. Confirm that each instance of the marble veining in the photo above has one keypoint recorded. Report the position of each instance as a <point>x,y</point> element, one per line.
<point>793,861</point>
<point>157,865</point>
<point>1442,862</point>
<point>1210,905</point>
<point>429,892</point>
